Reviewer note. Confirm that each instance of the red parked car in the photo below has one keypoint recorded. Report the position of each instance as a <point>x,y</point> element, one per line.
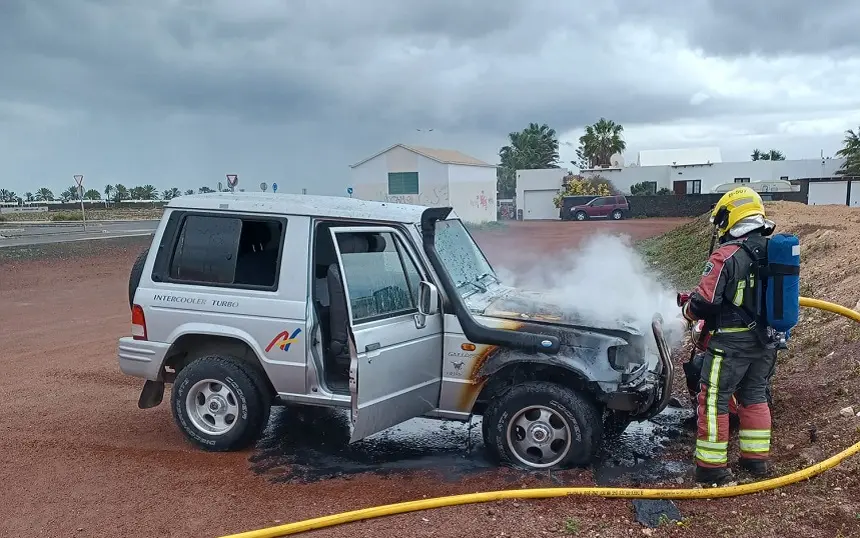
<point>612,207</point>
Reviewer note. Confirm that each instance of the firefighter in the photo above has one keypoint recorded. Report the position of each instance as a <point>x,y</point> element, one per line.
<point>737,361</point>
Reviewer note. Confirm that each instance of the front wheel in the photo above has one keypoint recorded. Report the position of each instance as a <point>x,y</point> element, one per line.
<point>219,405</point>
<point>541,425</point>
<point>580,215</point>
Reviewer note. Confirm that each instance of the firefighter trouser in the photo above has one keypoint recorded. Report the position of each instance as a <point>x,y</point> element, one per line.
<point>735,364</point>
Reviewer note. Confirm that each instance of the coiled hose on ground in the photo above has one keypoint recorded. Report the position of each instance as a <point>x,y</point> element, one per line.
<point>544,493</point>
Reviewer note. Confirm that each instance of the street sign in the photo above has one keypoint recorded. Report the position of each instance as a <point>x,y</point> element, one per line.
<point>232,180</point>
<point>274,187</point>
<point>79,179</point>
<point>349,191</point>
<point>263,186</point>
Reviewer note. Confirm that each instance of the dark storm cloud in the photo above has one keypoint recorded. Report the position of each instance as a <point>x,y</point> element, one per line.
<point>404,63</point>
<point>763,27</point>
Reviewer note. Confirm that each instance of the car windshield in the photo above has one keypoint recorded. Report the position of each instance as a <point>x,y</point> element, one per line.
<point>464,260</point>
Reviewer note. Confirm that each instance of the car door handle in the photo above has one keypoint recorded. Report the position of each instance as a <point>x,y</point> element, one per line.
<point>372,347</point>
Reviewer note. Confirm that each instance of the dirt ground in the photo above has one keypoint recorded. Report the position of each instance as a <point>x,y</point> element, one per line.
<point>80,459</point>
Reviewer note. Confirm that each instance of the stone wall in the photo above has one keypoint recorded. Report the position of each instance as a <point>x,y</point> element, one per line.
<point>679,205</point>
<point>691,205</point>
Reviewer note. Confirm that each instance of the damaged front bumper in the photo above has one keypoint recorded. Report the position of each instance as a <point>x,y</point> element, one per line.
<point>647,391</point>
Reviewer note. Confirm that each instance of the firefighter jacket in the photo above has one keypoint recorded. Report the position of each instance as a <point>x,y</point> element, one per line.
<point>727,287</point>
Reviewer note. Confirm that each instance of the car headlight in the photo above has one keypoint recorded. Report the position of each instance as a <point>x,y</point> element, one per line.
<point>625,358</point>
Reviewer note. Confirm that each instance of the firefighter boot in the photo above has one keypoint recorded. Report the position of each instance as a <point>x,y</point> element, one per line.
<point>757,468</point>
<point>713,475</point>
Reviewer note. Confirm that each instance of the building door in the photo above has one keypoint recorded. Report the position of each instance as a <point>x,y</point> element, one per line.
<point>538,205</point>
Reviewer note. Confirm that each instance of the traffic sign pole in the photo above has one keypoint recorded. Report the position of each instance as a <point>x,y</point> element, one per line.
<point>79,179</point>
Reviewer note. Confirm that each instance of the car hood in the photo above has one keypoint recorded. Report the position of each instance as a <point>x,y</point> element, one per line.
<point>513,303</point>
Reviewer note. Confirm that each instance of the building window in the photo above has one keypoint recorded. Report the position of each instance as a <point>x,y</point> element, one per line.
<point>403,183</point>
<point>742,180</point>
<point>692,186</point>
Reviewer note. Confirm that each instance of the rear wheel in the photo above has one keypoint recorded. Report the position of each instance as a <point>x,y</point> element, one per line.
<point>580,215</point>
<point>219,404</point>
<point>540,425</point>
<point>617,215</point>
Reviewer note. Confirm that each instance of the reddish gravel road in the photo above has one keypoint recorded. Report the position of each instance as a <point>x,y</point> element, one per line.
<point>81,460</point>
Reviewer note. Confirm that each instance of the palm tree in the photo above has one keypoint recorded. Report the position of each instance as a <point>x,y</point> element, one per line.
<point>28,196</point>
<point>600,142</point>
<point>109,192</point>
<point>72,193</point>
<point>44,195</point>
<point>7,196</point>
<point>92,194</point>
<point>851,152</point>
<point>148,192</point>
<point>189,192</point>
<point>120,192</point>
<point>770,155</point>
<point>775,155</point>
<point>171,193</point>
<point>205,190</point>
<point>536,146</point>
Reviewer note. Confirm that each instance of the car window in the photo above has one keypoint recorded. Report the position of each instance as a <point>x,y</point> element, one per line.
<point>227,251</point>
<point>462,258</point>
<point>619,200</point>
<point>597,202</point>
<point>381,277</point>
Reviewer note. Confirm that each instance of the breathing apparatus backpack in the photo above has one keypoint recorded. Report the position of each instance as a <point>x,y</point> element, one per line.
<point>772,307</point>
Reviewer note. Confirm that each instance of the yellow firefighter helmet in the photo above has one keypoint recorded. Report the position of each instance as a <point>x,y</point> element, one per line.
<point>734,206</point>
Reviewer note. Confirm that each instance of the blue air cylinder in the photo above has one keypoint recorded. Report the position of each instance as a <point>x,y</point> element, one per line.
<point>783,282</point>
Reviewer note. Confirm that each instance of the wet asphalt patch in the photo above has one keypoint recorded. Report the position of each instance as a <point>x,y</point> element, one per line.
<point>309,444</point>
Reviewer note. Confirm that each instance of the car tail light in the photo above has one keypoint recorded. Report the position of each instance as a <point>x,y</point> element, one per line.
<point>138,323</point>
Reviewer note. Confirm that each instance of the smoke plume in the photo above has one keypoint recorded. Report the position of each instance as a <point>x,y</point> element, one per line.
<point>605,280</point>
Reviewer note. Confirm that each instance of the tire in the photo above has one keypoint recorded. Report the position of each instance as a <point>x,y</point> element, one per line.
<point>581,216</point>
<point>134,276</point>
<point>617,215</point>
<point>237,390</point>
<point>558,408</point>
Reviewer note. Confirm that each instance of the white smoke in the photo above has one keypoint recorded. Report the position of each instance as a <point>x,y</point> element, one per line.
<point>605,280</point>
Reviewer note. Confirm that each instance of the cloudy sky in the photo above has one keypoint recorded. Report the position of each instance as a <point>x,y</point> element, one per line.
<point>181,92</point>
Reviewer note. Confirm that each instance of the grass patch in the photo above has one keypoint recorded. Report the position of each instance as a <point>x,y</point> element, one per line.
<point>487,226</point>
<point>680,254</point>
<point>571,526</point>
<point>65,216</point>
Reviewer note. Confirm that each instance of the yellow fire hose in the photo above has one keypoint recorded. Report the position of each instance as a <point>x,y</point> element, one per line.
<point>545,493</point>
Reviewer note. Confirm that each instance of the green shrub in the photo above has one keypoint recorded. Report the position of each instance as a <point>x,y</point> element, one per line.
<point>63,216</point>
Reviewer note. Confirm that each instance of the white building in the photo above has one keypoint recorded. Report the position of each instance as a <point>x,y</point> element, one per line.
<point>535,191</point>
<point>428,176</point>
<point>701,170</point>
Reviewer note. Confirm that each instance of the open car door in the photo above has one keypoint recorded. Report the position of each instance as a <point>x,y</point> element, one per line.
<point>396,366</point>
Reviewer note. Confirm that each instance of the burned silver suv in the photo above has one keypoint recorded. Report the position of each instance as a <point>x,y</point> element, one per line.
<point>391,311</point>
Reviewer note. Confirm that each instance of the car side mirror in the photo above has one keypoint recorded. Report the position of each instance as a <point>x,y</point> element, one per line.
<point>428,298</point>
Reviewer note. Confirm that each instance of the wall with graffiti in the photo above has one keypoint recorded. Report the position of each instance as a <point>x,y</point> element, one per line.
<point>473,192</point>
